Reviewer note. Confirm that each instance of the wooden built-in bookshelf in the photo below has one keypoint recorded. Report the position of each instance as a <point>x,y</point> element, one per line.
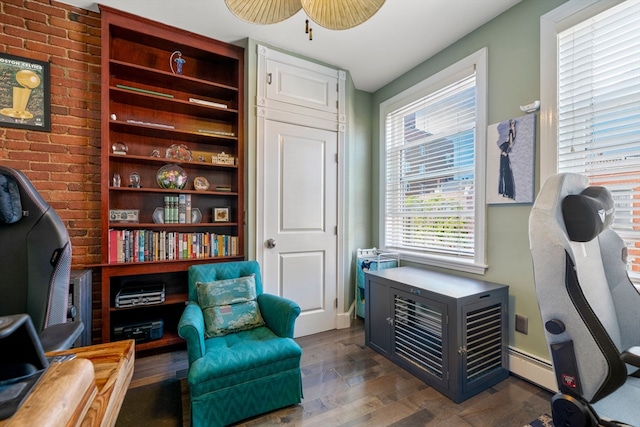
<point>148,107</point>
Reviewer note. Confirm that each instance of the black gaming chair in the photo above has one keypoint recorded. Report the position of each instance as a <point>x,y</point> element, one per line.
<point>36,261</point>
<point>590,308</point>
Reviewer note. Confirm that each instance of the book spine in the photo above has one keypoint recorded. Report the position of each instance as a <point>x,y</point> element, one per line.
<point>166,215</point>
<point>188,208</point>
<point>174,214</point>
<point>182,209</point>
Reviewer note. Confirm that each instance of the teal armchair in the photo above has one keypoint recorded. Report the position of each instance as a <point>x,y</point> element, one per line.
<point>246,373</point>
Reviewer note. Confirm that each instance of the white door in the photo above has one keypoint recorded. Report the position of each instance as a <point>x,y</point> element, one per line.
<point>300,221</point>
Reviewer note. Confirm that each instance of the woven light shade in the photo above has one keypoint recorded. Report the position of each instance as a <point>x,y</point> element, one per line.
<point>340,14</point>
<point>263,11</point>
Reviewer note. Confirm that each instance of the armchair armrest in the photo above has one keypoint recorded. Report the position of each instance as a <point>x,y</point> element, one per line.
<point>191,328</point>
<point>279,314</point>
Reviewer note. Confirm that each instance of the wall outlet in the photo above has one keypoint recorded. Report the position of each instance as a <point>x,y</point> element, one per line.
<point>522,324</point>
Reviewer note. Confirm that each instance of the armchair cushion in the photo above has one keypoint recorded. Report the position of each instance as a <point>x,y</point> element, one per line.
<point>229,305</point>
<point>242,357</point>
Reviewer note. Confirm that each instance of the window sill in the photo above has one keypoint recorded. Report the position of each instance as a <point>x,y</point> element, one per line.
<point>466,266</point>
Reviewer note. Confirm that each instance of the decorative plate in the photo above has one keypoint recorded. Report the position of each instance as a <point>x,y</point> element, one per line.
<point>172,177</point>
<point>179,152</point>
<point>200,183</point>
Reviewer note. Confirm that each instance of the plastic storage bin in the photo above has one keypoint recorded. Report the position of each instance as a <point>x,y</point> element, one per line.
<point>370,260</point>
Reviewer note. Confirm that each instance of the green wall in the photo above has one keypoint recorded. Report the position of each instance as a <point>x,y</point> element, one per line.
<point>513,42</point>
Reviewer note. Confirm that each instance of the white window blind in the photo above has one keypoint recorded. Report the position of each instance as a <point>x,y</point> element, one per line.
<point>599,111</point>
<point>430,172</point>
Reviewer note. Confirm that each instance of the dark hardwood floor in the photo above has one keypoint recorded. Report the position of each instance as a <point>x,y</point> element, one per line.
<point>347,384</point>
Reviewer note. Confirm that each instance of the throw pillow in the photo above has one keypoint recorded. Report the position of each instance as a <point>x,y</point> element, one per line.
<point>229,305</point>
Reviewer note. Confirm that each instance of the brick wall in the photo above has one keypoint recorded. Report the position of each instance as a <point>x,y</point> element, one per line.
<point>63,164</point>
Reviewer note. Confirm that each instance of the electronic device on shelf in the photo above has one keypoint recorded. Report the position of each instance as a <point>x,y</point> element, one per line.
<point>141,331</point>
<point>133,295</point>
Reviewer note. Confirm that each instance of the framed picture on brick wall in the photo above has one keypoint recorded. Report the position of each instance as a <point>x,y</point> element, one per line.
<point>25,93</point>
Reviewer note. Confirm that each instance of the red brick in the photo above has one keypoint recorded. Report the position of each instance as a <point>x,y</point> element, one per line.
<point>37,136</point>
<point>65,43</point>
<point>13,20</point>
<point>58,110</point>
<point>51,148</point>
<point>94,133</point>
<point>85,57</point>
<point>83,37</point>
<point>67,140</point>
<point>44,28</point>
<point>29,15</point>
<point>19,51</point>
<point>11,41</point>
<point>14,2</point>
<point>68,120</point>
<point>67,24</point>
<point>14,133</point>
<point>45,8</point>
<point>68,63</point>
<point>25,34</point>
<point>43,47</point>
<point>29,155</point>
<point>84,113</point>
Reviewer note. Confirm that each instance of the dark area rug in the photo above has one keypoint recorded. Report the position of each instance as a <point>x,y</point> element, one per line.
<point>157,405</point>
<point>543,420</point>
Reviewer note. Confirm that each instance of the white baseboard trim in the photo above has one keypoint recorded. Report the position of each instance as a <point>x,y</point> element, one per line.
<point>532,369</point>
<point>343,320</point>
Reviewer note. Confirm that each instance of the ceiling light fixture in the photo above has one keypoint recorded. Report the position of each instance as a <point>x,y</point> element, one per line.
<point>331,14</point>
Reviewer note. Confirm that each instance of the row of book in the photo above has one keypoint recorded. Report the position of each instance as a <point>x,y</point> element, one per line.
<point>140,245</point>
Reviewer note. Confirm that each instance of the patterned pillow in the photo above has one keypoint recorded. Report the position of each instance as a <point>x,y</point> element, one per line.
<point>229,305</point>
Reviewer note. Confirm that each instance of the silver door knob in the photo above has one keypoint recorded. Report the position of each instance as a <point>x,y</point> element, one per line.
<point>271,243</point>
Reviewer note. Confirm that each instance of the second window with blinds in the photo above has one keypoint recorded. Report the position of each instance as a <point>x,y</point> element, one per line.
<point>432,182</point>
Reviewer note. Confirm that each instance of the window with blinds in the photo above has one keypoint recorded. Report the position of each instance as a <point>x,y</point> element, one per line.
<point>430,191</point>
<point>599,112</point>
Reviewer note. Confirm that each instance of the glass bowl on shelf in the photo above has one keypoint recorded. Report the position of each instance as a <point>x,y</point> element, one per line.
<point>171,177</point>
<point>179,152</point>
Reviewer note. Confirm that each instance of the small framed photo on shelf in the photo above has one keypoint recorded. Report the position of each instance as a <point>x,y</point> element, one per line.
<point>220,214</point>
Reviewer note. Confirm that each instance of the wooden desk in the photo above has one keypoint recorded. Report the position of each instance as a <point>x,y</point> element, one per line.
<point>67,389</point>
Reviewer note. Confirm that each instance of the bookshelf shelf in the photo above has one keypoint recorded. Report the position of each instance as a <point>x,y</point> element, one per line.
<point>149,108</point>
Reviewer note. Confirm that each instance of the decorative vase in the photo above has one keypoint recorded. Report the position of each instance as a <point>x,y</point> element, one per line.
<point>171,177</point>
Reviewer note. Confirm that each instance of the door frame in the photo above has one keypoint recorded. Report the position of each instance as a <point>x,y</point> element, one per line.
<point>304,117</point>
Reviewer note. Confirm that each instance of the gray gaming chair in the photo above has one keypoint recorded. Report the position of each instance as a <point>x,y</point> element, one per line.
<point>590,308</point>
<point>36,261</point>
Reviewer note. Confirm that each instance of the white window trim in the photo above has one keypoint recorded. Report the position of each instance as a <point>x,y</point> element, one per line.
<point>419,90</point>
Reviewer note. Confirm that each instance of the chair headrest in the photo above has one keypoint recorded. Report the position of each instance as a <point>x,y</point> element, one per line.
<point>587,214</point>
<point>10,205</point>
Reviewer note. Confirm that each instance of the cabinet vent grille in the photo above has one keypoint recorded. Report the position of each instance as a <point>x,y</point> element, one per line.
<point>418,334</point>
<point>484,341</point>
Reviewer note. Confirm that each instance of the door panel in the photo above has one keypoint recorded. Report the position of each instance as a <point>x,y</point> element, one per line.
<point>302,87</point>
<point>300,215</point>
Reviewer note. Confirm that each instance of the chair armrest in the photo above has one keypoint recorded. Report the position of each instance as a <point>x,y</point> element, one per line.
<point>60,336</point>
<point>632,356</point>
<point>191,328</point>
<point>279,314</point>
